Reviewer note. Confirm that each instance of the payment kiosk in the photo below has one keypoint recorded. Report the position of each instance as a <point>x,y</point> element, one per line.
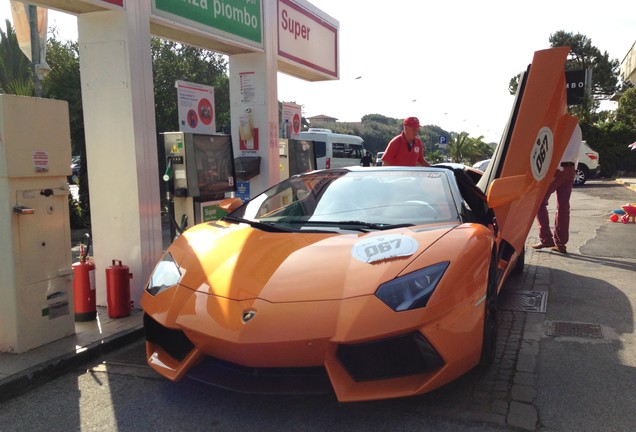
<point>35,239</point>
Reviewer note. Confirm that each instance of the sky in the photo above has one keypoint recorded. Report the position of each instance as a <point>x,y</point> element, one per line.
<point>447,62</point>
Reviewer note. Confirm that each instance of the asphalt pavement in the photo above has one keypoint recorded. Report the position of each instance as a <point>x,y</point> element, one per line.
<point>566,353</point>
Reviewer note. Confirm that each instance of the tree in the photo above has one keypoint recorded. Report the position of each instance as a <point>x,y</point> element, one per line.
<point>173,61</point>
<point>64,82</point>
<point>15,67</point>
<point>583,55</point>
<point>460,147</point>
<point>626,111</point>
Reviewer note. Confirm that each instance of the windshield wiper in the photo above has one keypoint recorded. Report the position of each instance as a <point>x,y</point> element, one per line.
<point>269,227</point>
<point>360,225</point>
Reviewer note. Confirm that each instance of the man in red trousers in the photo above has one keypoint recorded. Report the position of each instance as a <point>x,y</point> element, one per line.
<point>562,185</point>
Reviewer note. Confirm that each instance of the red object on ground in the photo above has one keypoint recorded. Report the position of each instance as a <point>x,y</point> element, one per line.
<point>630,213</point>
<point>84,291</point>
<point>118,290</point>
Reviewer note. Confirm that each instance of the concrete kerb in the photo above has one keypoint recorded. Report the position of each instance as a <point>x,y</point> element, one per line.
<point>627,182</point>
<point>29,379</point>
<point>522,411</point>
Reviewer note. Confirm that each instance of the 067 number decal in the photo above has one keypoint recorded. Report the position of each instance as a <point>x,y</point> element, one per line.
<point>541,154</point>
<point>384,247</point>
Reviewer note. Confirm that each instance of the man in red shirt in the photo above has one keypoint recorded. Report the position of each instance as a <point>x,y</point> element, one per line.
<point>406,149</point>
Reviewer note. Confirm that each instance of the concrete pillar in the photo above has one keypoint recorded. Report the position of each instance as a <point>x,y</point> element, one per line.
<point>259,70</point>
<point>119,116</point>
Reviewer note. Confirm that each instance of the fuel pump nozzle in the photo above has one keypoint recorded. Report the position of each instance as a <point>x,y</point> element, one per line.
<point>167,177</point>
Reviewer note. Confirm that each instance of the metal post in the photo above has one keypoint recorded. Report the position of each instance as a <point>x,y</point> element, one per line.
<point>35,49</point>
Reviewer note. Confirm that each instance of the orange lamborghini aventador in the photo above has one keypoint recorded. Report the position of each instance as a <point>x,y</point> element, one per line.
<point>374,282</point>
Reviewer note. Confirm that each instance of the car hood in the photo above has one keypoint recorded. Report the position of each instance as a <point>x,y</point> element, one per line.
<point>240,262</point>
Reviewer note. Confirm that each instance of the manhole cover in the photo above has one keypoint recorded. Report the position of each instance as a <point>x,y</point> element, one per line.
<point>523,301</point>
<point>571,329</point>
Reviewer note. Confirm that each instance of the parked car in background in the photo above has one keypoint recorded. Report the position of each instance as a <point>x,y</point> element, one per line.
<point>378,158</point>
<point>481,165</point>
<point>588,166</point>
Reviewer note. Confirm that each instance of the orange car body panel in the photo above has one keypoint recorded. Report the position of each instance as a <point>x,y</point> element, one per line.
<point>311,325</point>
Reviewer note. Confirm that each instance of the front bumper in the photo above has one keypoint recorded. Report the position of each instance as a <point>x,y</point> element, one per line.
<point>358,347</point>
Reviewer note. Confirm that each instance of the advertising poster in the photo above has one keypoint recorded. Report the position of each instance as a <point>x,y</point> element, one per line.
<point>196,108</point>
<point>291,123</point>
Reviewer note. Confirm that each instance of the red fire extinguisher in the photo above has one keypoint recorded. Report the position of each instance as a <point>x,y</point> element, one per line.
<point>118,290</point>
<point>84,285</point>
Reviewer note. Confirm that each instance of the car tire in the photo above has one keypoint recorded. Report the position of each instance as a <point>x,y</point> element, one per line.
<point>581,175</point>
<point>489,341</point>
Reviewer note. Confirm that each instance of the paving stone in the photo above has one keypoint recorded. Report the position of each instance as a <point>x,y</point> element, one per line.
<point>499,407</point>
<point>525,378</point>
<point>526,363</point>
<point>523,393</point>
<point>529,348</point>
<point>487,417</point>
<point>522,415</point>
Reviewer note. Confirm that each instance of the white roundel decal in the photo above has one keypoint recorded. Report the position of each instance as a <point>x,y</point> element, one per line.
<point>383,247</point>
<point>541,154</point>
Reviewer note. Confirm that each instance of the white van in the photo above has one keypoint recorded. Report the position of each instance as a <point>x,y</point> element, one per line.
<point>333,150</point>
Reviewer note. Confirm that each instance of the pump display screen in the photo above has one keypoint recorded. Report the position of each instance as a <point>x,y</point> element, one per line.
<point>214,163</point>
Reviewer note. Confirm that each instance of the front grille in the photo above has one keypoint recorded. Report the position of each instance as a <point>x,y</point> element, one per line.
<point>174,342</point>
<point>273,380</point>
<point>410,354</point>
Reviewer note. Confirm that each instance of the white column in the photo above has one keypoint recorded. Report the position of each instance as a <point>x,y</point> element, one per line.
<point>119,117</point>
<point>261,69</point>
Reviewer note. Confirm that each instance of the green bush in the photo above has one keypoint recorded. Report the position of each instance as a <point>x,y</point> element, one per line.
<point>611,141</point>
<point>76,215</point>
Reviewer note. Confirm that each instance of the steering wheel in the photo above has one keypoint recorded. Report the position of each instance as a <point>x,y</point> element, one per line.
<point>429,210</point>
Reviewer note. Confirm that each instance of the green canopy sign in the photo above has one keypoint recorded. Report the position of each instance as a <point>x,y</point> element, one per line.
<point>242,18</point>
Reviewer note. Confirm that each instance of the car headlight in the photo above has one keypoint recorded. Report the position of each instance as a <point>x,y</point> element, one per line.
<point>413,290</point>
<point>165,275</point>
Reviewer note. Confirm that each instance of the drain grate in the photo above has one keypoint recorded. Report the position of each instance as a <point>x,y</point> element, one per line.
<point>524,301</point>
<point>572,329</point>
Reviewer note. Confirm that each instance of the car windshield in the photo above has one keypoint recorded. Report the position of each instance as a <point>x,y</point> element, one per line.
<point>357,200</point>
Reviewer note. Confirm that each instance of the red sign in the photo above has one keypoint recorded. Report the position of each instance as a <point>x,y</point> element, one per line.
<point>115,2</point>
<point>251,144</point>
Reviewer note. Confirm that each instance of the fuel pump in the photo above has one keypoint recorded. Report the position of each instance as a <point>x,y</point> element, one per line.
<point>199,172</point>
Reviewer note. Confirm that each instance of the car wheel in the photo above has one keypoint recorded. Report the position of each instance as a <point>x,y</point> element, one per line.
<point>489,343</point>
<point>581,175</point>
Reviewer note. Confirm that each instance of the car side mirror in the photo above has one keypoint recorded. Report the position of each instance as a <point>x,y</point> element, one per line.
<point>504,190</point>
<point>228,205</point>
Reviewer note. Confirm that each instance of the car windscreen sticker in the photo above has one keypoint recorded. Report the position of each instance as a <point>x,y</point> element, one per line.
<point>384,247</point>
<point>541,154</point>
